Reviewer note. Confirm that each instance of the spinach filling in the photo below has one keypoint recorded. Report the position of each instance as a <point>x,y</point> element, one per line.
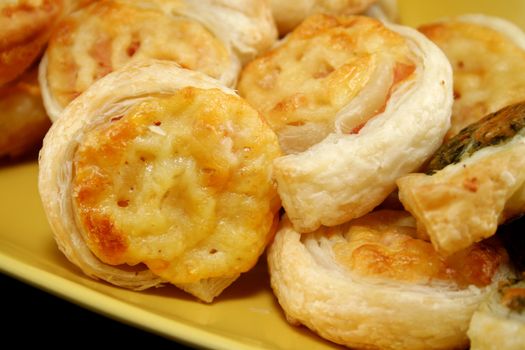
<point>494,129</point>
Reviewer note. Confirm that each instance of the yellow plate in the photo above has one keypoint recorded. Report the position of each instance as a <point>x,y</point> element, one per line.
<point>245,316</point>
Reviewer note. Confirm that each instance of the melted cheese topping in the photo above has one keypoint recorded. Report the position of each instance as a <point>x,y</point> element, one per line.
<point>181,183</point>
<point>489,69</point>
<point>106,35</point>
<point>384,244</point>
<point>317,70</point>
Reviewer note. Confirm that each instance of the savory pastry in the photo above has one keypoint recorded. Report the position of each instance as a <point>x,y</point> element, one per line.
<point>488,57</point>
<point>474,182</point>
<point>213,37</point>
<point>23,119</point>
<point>499,323</point>
<point>356,103</point>
<point>289,14</point>
<point>371,284</point>
<point>26,26</point>
<point>160,174</point>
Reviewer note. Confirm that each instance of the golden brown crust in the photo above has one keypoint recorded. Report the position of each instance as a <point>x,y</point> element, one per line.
<point>102,37</point>
<point>353,126</point>
<point>154,173</point>
<point>465,202</point>
<point>326,62</point>
<point>214,37</point>
<point>26,26</point>
<point>384,300</point>
<point>23,119</point>
<point>488,58</point>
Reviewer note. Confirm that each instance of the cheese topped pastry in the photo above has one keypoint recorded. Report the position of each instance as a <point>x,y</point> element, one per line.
<point>488,58</point>
<point>474,182</point>
<point>26,26</point>
<point>372,284</point>
<point>356,103</point>
<point>170,170</point>
<point>106,35</point>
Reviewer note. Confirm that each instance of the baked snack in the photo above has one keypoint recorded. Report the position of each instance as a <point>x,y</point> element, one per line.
<point>214,37</point>
<point>499,323</point>
<point>289,14</point>
<point>23,119</point>
<point>371,284</point>
<point>474,182</point>
<point>356,103</point>
<point>160,174</point>
<point>488,58</point>
<point>26,26</point>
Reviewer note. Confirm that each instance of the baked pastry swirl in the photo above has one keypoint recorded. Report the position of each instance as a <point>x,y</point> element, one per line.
<point>160,174</point>
<point>488,58</point>
<point>356,103</point>
<point>474,182</point>
<point>371,284</point>
<point>214,37</point>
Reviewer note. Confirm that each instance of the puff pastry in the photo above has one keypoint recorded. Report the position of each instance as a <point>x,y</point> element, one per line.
<point>160,174</point>
<point>289,14</point>
<point>475,182</point>
<point>23,119</point>
<point>371,284</point>
<point>214,37</point>
<point>356,104</point>
<point>499,323</point>
<point>488,58</point>
<point>26,26</point>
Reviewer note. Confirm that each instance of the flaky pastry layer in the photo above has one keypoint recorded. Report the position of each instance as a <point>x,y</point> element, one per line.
<point>354,125</point>
<point>106,35</point>
<point>371,284</point>
<point>171,172</point>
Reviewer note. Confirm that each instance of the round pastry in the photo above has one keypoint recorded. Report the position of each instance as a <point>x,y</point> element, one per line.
<point>356,103</point>
<point>488,58</point>
<point>23,119</point>
<point>26,26</point>
<point>157,173</point>
<point>474,182</point>
<point>289,14</point>
<point>104,36</point>
<point>499,323</point>
<point>370,284</point>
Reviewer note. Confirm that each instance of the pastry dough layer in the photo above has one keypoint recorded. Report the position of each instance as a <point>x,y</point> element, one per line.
<point>188,195</point>
<point>172,170</point>
<point>26,26</point>
<point>361,308</point>
<point>301,86</point>
<point>392,107</point>
<point>488,58</point>
<point>499,323</point>
<point>465,202</point>
<point>108,34</point>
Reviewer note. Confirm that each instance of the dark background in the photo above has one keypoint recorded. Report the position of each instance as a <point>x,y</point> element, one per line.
<point>31,316</point>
